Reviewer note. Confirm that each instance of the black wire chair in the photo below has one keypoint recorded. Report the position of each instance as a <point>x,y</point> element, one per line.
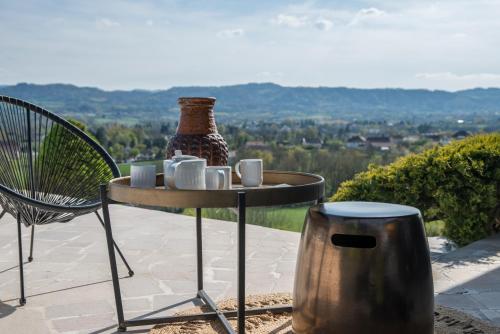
<point>50,170</point>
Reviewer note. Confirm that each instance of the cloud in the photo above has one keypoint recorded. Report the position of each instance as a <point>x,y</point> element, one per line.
<point>366,14</point>
<point>149,23</point>
<point>291,21</point>
<point>453,76</point>
<point>323,24</point>
<point>230,33</point>
<point>295,21</point>
<point>106,23</point>
<point>459,35</point>
<point>268,74</point>
<point>460,81</point>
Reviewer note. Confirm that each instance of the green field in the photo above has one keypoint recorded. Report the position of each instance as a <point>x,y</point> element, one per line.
<point>284,218</point>
<point>287,218</point>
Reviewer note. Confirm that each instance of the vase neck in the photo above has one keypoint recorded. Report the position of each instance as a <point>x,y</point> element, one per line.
<point>196,120</point>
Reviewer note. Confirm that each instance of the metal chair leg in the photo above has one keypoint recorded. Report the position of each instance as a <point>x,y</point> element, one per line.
<point>30,258</point>
<point>112,259</point>
<point>130,271</point>
<point>2,213</point>
<point>22,300</point>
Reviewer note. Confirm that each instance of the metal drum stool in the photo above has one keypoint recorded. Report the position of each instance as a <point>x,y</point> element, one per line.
<point>363,268</point>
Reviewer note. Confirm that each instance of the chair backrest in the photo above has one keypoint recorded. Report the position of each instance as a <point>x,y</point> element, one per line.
<point>47,162</point>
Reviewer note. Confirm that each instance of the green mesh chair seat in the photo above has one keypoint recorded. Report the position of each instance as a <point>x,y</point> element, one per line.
<point>50,170</point>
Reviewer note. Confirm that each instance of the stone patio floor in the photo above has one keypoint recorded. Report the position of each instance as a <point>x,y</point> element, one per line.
<point>69,290</point>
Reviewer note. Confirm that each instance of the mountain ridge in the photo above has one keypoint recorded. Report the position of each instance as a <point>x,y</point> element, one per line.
<point>257,100</point>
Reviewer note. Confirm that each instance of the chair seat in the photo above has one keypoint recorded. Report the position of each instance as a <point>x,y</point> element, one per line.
<point>39,215</point>
<point>50,169</point>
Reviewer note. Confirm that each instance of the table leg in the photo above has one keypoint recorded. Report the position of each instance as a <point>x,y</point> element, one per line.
<point>199,250</point>
<point>112,258</point>
<point>241,261</point>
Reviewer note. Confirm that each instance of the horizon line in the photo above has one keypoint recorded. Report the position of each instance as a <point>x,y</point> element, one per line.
<point>241,84</point>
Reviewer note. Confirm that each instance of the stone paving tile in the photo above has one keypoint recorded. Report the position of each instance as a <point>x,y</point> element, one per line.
<point>491,315</point>
<point>78,309</point>
<point>469,279</point>
<point>489,299</point>
<point>461,301</point>
<point>137,304</point>
<point>69,289</point>
<point>179,286</point>
<point>169,304</point>
<point>82,322</point>
<point>57,235</point>
<point>140,285</point>
<point>22,321</point>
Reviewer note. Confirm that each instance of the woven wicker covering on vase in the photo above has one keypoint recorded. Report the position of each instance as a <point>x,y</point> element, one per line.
<point>197,132</point>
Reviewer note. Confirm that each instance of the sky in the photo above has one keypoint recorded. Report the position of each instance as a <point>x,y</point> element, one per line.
<point>156,44</point>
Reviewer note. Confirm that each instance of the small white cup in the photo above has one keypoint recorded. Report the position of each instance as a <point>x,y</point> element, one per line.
<point>218,177</point>
<point>143,176</point>
<point>214,179</point>
<point>166,164</point>
<point>250,171</point>
<point>228,176</point>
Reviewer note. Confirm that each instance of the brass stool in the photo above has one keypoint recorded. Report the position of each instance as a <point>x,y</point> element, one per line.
<point>363,268</point>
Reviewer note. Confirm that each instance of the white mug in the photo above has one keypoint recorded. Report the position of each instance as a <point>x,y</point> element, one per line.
<point>143,176</point>
<point>218,177</point>
<point>169,168</point>
<point>250,171</point>
<point>189,174</point>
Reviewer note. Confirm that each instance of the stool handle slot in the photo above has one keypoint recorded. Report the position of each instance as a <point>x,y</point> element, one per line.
<point>354,241</point>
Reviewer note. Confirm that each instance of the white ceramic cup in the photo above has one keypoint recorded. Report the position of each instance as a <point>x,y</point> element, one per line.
<point>143,176</point>
<point>214,179</point>
<point>166,164</point>
<point>218,177</point>
<point>250,171</point>
<point>190,174</point>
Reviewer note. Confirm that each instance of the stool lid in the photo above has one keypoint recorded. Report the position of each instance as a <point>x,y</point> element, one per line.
<point>367,210</point>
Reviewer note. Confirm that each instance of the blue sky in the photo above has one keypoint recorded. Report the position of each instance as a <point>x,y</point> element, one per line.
<point>450,44</point>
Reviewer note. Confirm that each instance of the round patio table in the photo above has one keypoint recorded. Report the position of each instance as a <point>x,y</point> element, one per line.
<point>279,188</point>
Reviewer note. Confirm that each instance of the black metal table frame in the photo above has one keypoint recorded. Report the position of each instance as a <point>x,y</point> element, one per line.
<point>215,312</point>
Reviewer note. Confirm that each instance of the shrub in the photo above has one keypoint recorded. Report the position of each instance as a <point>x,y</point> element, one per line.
<point>458,183</point>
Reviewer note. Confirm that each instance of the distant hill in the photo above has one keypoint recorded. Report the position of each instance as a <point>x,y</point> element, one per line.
<point>263,101</point>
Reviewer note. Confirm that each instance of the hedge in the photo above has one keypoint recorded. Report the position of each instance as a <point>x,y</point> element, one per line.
<point>458,183</point>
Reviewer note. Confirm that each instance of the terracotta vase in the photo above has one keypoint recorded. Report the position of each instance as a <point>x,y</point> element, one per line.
<point>197,132</point>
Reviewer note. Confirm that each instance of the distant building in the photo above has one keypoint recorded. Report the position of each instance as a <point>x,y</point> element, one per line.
<point>411,138</point>
<point>397,139</point>
<point>445,140</point>
<point>13,146</point>
<point>441,138</point>
<point>356,142</point>
<point>383,143</point>
<point>285,128</point>
<point>311,144</point>
<point>461,134</point>
<point>433,136</point>
<point>284,143</point>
